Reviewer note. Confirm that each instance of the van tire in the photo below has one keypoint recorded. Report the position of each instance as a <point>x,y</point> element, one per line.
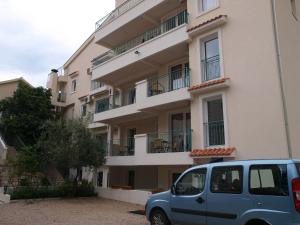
<point>158,217</point>
<point>257,222</point>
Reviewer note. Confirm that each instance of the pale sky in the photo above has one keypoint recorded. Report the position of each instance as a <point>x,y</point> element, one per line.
<point>39,35</point>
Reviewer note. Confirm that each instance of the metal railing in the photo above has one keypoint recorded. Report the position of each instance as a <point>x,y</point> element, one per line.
<point>210,68</point>
<point>102,105</point>
<point>116,101</point>
<point>170,82</point>
<point>61,71</point>
<point>96,84</point>
<point>61,97</point>
<point>179,19</point>
<point>172,141</point>
<point>117,12</point>
<point>214,133</point>
<point>122,147</point>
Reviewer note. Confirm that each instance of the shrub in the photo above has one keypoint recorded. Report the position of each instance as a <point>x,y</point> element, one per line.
<point>66,189</point>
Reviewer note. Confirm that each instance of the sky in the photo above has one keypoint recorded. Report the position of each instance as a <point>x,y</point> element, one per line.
<point>39,35</point>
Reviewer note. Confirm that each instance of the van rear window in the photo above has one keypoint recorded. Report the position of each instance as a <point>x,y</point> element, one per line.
<point>268,180</point>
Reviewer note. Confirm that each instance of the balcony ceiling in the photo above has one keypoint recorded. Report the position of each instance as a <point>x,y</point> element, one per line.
<point>141,24</point>
<point>142,69</point>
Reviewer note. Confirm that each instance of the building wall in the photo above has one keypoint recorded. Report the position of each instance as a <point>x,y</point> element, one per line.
<point>289,45</point>
<point>80,64</point>
<point>8,89</point>
<point>253,110</point>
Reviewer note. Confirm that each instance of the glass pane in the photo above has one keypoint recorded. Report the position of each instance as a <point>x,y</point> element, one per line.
<point>211,48</point>
<point>176,77</point>
<point>215,110</point>
<point>208,4</point>
<point>227,180</point>
<point>192,183</point>
<point>269,180</point>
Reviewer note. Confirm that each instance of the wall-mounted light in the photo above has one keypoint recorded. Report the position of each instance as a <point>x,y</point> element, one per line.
<point>137,52</point>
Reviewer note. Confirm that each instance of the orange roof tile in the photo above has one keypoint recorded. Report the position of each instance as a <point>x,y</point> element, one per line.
<point>212,152</point>
<point>208,83</point>
<point>206,22</point>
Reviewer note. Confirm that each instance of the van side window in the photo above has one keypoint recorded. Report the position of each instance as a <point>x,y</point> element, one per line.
<point>268,180</point>
<point>227,179</point>
<point>192,183</point>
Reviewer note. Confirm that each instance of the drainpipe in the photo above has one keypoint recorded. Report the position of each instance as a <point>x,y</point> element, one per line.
<point>279,67</point>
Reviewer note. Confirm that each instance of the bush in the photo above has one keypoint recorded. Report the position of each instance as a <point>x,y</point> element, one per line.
<point>66,189</point>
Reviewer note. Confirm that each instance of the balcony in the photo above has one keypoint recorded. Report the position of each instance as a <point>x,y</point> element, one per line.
<point>116,106</point>
<point>214,133</point>
<point>172,141</point>
<point>152,149</point>
<point>122,147</point>
<point>97,87</point>
<point>59,99</point>
<point>165,91</point>
<point>127,20</point>
<point>149,46</point>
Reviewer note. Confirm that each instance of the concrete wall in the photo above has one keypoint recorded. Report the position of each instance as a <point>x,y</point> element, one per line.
<point>252,107</point>
<point>131,196</point>
<point>7,89</point>
<point>288,34</point>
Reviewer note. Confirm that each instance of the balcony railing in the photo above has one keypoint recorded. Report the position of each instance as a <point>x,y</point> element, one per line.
<point>95,85</point>
<point>214,133</point>
<point>170,82</point>
<point>61,97</point>
<point>116,101</point>
<point>172,141</point>
<point>211,68</point>
<point>122,147</point>
<point>117,12</point>
<point>166,26</point>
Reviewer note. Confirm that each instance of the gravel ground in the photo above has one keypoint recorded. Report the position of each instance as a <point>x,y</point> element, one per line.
<point>83,211</point>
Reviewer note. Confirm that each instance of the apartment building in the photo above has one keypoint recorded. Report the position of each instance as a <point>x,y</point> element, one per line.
<point>186,82</point>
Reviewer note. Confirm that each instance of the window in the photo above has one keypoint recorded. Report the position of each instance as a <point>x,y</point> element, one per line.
<point>214,126</point>
<point>268,180</point>
<point>227,180</point>
<point>210,58</point>
<point>100,179</point>
<point>83,110</point>
<point>191,183</point>
<point>206,5</point>
<point>294,9</point>
<point>73,87</point>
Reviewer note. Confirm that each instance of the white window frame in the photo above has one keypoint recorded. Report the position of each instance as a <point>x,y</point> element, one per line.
<point>203,12</point>
<point>200,50</point>
<point>73,87</point>
<point>203,102</point>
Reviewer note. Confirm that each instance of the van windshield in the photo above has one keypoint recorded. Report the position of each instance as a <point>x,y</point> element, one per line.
<point>298,168</point>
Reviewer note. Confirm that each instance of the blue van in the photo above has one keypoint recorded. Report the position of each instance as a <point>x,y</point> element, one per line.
<point>254,192</point>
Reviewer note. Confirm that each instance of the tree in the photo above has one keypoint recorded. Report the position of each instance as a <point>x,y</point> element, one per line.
<point>69,144</point>
<point>24,114</point>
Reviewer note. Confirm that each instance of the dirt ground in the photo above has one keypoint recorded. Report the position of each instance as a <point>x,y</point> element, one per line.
<point>83,211</point>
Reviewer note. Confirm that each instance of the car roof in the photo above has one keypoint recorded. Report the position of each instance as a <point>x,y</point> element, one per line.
<point>250,162</point>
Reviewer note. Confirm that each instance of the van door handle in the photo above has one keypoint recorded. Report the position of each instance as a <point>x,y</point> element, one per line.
<point>200,200</point>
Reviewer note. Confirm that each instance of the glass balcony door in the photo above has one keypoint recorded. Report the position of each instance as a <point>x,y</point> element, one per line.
<point>214,127</point>
<point>180,132</point>
<point>211,59</point>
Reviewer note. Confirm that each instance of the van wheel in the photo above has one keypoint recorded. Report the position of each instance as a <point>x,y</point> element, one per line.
<point>158,217</point>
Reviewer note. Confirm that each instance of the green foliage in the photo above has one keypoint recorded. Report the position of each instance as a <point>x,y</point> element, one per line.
<point>26,167</point>
<point>65,190</point>
<point>24,114</point>
<point>69,144</point>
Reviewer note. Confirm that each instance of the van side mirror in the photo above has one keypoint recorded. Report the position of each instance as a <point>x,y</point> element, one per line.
<point>173,189</point>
